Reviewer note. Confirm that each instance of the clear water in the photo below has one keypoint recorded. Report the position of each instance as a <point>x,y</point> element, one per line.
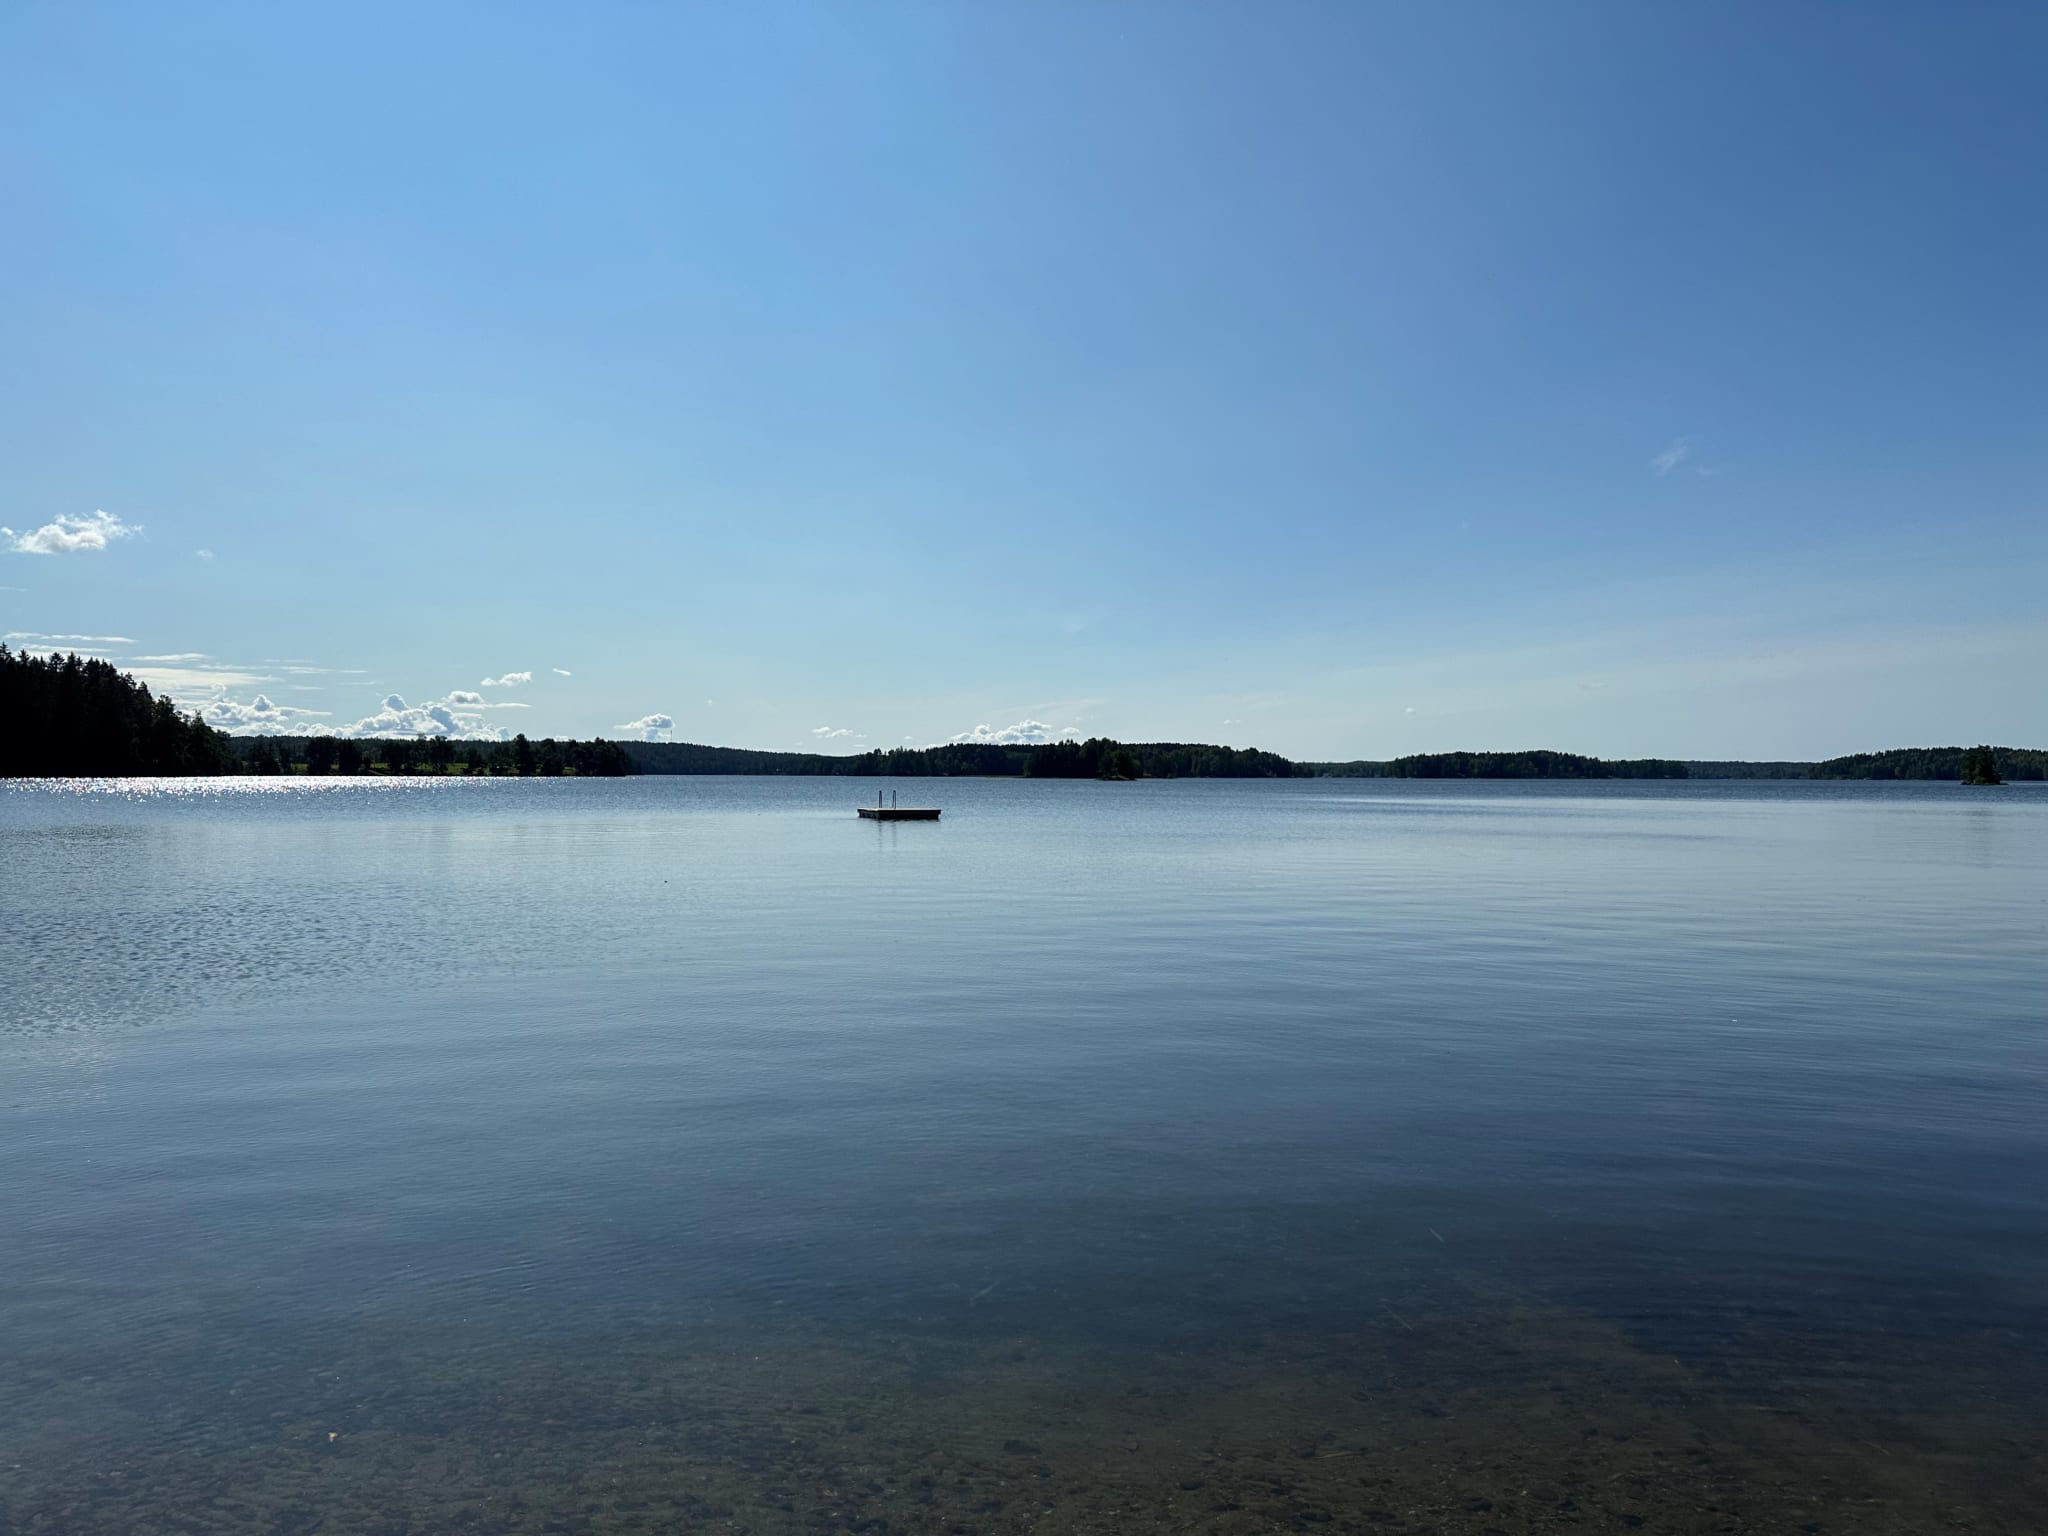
<point>685,1154</point>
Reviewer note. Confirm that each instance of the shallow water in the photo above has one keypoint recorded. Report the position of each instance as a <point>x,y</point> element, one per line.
<point>678,1154</point>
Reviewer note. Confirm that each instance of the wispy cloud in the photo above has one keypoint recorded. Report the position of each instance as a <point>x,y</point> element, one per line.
<point>1665,462</point>
<point>70,535</point>
<point>191,678</point>
<point>830,732</point>
<point>561,671</point>
<point>197,681</point>
<point>655,727</point>
<point>43,639</point>
<point>203,554</point>
<point>509,680</point>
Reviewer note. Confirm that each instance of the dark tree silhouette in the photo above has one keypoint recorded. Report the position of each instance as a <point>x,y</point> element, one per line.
<point>1980,766</point>
<point>68,716</point>
<point>1933,763</point>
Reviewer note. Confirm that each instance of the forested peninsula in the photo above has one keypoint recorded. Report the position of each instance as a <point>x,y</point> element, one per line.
<point>79,717</point>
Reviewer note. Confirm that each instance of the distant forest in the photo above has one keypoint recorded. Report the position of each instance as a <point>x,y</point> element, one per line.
<point>1904,763</point>
<point>67,716</point>
<point>1503,765</point>
<point>1099,758</point>
<point>1932,763</point>
<point>517,758</point>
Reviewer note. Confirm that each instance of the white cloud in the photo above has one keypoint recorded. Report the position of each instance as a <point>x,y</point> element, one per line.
<point>452,717</point>
<point>462,697</point>
<point>70,535</point>
<point>1025,733</point>
<point>30,634</point>
<point>455,717</point>
<point>1672,457</point>
<point>261,717</point>
<point>203,554</point>
<point>173,656</point>
<point>655,727</point>
<point>561,671</point>
<point>830,733</point>
<point>509,680</point>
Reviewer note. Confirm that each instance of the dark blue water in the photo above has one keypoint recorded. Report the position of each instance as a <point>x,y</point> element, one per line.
<point>686,1154</point>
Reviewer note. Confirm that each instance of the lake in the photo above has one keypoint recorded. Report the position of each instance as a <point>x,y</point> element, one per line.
<point>685,1154</point>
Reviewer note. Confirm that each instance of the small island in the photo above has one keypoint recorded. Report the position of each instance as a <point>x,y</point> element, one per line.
<point>1980,766</point>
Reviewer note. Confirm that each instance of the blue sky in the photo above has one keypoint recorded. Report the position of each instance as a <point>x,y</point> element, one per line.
<point>1342,379</point>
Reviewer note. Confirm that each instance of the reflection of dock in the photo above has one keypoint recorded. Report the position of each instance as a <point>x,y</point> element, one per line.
<point>894,812</point>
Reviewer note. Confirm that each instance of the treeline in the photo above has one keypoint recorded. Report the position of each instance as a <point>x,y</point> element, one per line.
<point>1098,758</point>
<point>79,717</point>
<point>517,758</point>
<point>1102,758</point>
<point>1503,765</point>
<point>1725,769</point>
<point>1952,764</point>
<point>1932,763</point>
<point>74,717</point>
<point>964,761</point>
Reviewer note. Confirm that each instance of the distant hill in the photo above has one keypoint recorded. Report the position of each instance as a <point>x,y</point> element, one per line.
<point>2021,763</point>
<point>1096,758</point>
<point>1726,768</point>
<point>1924,763</point>
<point>1501,765</point>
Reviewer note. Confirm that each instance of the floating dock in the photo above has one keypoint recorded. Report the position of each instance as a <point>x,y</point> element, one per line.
<point>894,812</point>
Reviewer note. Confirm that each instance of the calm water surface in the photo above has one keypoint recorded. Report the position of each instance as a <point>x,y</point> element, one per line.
<point>684,1154</point>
